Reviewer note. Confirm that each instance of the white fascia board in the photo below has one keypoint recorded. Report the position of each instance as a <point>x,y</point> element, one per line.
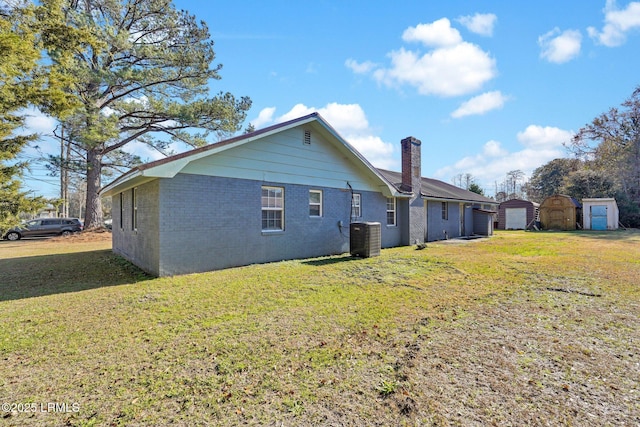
<point>386,188</point>
<point>124,183</point>
<point>441,199</point>
<point>173,167</point>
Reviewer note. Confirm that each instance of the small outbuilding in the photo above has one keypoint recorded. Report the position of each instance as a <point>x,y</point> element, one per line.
<point>600,214</point>
<point>517,214</point>
<point>560,212</point>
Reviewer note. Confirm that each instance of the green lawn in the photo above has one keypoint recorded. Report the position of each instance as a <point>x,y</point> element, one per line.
<point>521,328</point>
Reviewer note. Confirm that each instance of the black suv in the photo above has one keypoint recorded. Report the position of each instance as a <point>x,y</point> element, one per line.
<point>45,227</point>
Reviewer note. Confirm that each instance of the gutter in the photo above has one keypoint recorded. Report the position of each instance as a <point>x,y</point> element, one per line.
<point>443,199</point>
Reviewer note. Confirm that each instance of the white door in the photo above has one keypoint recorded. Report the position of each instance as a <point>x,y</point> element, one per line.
<point>515,218</point>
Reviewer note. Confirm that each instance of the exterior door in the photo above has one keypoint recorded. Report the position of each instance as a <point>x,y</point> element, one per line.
<point>556,220</point>
<point>599,217</point>
<point>515,218</point>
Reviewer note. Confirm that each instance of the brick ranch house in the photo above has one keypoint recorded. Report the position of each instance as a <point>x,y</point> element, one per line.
<point>283,192</point>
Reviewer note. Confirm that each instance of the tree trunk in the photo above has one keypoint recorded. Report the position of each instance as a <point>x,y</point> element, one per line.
<point>93,212</point>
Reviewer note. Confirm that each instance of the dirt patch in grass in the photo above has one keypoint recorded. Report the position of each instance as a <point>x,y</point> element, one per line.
<point>519,329</point>
<point>100,234</point>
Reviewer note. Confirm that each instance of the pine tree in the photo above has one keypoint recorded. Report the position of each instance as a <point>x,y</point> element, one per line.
<point>142,71</point>
<point>20,86</point>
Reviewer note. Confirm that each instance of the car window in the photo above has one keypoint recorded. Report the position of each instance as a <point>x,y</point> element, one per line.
<point>33,223</point>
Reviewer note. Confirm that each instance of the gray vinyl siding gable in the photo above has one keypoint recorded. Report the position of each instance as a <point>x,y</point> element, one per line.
<point>284,158</point>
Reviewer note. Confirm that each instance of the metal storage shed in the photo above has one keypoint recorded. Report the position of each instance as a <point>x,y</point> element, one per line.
<point>600,214</point>
<point>560,212</point>
<point>516,214</point>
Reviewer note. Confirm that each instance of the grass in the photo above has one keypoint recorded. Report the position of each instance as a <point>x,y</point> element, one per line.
<point>522,328</point>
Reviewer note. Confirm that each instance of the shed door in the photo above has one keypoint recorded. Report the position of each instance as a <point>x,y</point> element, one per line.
<point>556,220</point>
<point>515,218</point>
<point>599,217</point>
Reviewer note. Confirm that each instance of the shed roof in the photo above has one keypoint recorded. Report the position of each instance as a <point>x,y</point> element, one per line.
<point>519,203</point>
<point>572,200</point>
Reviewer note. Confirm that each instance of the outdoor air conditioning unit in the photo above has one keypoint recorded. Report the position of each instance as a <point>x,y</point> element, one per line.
<point>365,240</point>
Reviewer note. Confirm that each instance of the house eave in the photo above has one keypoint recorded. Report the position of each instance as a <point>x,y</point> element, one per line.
<point>444,199</point>
<point>171,166</point>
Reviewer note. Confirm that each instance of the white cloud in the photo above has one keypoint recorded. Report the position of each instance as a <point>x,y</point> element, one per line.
<point>493,149</point>
<point>264,117</point>
<point>298,110</point>
<point>350,121</point>
<point>374,149</point>
<point>480,23</point>
<point>360,68</point>
<point>450,67</point>
<point>146,153</point>
<point>437,34</point>
<point>559,47</point>
<point>617,23</point>
<point>37,122</point>
<point>346,118</point>
<point>449,71</point>
<point>481,104</point>
<point>535,136</point>
<point>539,145</point>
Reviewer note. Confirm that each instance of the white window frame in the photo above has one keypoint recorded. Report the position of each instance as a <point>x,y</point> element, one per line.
<point>134,208</point>
<point>272,206</point>
<point>445,211</point>
<point>391,209</point>
<point>122,211</point>
<point>313,204</point>
<point>356,205</point>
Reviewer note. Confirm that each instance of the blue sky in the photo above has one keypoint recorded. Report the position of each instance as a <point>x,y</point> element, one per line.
<point>487,86</point>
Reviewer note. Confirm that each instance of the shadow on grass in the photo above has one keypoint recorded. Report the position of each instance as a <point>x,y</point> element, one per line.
<point>619,234</point>
<point>60,273</point>
<point>332,260</point>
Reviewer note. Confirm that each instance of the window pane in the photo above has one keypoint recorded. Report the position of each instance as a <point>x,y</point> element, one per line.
<point>272,201</point>
<point>356,211</point>
<point>272,220</point>
<point>391,220</point>
<point>314,197</point>
<point>314,210</point>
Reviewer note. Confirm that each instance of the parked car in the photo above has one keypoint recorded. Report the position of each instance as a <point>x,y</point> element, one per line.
<point>45,227</point>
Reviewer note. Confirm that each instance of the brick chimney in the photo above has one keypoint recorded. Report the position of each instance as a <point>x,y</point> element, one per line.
<point>411,170</point>
<point>415,230</point>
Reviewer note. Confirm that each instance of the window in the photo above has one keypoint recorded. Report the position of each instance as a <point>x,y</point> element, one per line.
<point>121,211</point>
<point>315,203</point>
<point>272,209</point>
<point>391,211</point>
<point>134,209</point>
<point>445,210</point>
<point>356,207</point>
